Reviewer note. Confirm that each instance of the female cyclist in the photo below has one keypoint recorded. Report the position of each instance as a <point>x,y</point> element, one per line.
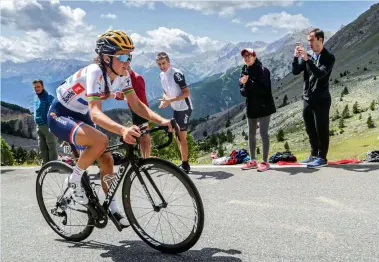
<point>78,106</point>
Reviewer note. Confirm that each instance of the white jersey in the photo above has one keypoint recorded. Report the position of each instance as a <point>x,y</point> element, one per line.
<point>173,82</point>
<point>88,84</point>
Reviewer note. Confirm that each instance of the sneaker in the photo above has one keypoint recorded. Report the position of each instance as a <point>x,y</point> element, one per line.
<point>308,160</point>
<point>252,164</point>
<point>264,166</point>
<point>185,168</point>
<point>318,162</point>
<point>121,219</point>
<point>78,193</point>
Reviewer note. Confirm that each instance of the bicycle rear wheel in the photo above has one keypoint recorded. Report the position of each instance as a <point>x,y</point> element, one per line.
<point>180,222</point>
<point>67,218</point>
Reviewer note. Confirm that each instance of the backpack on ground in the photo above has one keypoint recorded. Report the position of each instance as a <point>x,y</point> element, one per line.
<point>372,156</point>
<point>282,156</point>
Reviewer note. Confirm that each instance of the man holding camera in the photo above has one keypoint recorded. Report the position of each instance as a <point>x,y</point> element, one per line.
<point>317,66</point>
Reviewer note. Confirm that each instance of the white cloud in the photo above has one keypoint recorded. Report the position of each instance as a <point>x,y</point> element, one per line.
<point>56,20</point>
<point>39,44</point>
<point>236,21</point>
<point>108,16</point>
<point>139,3</point>
<point>227,12</point>
<point>254,29</point>
<point>225,8</point>
<point>50,30</point>
<point>174,41</point>
<point>282,20</point>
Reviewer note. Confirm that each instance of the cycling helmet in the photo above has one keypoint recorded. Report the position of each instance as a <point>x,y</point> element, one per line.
<point>113,41</point>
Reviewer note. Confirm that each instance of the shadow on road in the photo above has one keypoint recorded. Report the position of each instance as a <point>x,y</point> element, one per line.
<point>361,168</point>
<point>139,251</point>
<point>3,171</point>
<point>295,170</point>
<point>215,174</point>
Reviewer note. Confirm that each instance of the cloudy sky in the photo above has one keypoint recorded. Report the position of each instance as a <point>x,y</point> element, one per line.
<point>68,29</point>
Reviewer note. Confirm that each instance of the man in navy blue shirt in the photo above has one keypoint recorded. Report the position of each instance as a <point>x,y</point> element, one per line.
<point>47,141</point>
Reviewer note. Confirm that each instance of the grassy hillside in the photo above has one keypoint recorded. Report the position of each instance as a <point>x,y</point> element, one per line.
<point>356,47</point>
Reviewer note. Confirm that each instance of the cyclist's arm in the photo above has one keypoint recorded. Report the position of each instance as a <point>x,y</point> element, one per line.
<point>142,110</point>
<point>101,119</point>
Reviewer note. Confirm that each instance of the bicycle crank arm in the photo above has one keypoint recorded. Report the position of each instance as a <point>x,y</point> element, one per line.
<point>118,225</point>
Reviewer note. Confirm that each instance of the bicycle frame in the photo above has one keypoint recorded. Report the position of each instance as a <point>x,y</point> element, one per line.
<point>118,178</point>
<point>130,159</point>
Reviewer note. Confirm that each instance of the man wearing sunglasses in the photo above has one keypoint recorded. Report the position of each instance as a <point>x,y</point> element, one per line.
<point>177,94</point>
<point>78,107</point>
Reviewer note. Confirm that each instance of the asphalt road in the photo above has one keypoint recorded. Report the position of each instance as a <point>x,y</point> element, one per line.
<point>285,214</point>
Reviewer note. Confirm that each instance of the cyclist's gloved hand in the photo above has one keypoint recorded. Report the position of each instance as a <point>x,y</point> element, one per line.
<point>130,133</point>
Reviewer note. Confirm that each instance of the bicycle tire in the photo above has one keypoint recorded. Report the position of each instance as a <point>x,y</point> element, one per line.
<point>192,239</point>
<point>58,165</point>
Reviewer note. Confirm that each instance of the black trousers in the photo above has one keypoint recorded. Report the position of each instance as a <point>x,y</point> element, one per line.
<point>316,120</point>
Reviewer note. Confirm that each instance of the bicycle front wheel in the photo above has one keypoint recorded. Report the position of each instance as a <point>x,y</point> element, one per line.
<point>67,218</point>
<point>173,223</point>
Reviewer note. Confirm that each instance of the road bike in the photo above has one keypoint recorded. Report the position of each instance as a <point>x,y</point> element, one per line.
<point>148,197</point>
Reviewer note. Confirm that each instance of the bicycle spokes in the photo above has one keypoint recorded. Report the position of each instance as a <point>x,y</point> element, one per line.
<point>173,215</point>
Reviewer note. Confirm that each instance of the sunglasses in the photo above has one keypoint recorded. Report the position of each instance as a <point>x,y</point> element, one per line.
<point>247,56</point>
<point>123,58</point>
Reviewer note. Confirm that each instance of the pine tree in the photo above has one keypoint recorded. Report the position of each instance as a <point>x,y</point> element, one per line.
<point>356,108</point>
<point>258,151</point>
<point>227,123</point>
<point>372,105</point>
<point>286,146</point>
<point>244,117</point>
<point>341,123</point>
<point>205,133</point>
<point>220,151</point>
<point>243,133</point>
<point>6,154</point>
<point>280,135</point>
<point>345,91</point>
<point>345,113</point>
<point>230,136</point>
<point>360,116</point>
<point>285,100</point>
<point>336,116</point>
<point>370,122</point>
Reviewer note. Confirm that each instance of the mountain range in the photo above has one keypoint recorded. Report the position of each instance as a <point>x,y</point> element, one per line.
<point>16,78</point>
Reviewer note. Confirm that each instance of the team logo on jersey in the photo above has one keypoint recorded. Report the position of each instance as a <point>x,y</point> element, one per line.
<point>68,95</point>
<point>72,92</point>
<point>78,88</point>
<point>127,81</point>
<point>185,119</point>
<point>178,76</point>
<point>56,118</point>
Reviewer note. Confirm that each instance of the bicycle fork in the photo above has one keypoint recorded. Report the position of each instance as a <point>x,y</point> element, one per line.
<point>156,208</point>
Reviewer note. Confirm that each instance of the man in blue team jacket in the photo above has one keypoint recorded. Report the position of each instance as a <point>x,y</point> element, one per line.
<point>47,141</point>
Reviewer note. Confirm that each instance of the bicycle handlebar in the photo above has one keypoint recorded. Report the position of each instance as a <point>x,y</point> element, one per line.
<point>159,128</point>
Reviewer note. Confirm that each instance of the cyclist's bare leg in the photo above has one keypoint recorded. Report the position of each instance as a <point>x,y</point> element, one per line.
<point>95,143</point>
<point>145,145</point>
<point>105,162</point>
